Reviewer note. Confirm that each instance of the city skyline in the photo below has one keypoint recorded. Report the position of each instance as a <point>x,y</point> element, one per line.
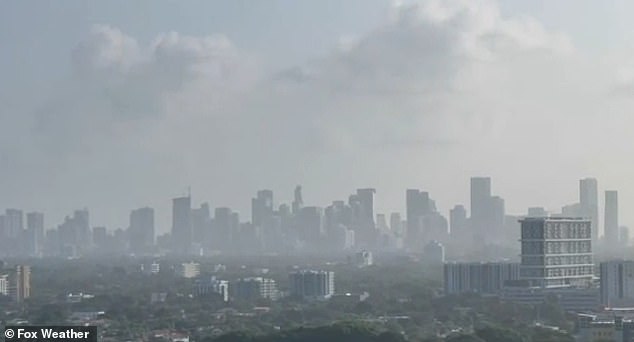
<point>563,209</point>
<point>101,111</point>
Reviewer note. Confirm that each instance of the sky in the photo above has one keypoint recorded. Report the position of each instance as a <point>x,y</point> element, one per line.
<point>116,105</point>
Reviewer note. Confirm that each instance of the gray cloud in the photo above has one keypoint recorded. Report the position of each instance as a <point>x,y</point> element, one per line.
<point>450,88</point>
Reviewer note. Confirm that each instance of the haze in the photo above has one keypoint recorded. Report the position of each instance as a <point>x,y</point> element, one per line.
<point>119,105</point>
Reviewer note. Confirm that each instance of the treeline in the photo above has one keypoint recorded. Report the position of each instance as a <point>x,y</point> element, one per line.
<point>361,332</point>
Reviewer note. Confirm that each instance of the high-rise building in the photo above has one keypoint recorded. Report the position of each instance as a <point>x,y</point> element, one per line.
<point>417,206</point>
<point>310,284</point>
<point>20,284</point>
<point>311,223</point>
<point>181,225</point>
<point>201,224</point>
<point>298,202</point>
<point>611,226</point>
<point>589,204</point>
<point>224,227</point>
<point>365,227</point>
<point>556,251</point>
<point>476,277</point>
<point>14,223</point>
<point>480,198</point>
<point>141,233</point>
<point>458,222</point>
<point>262,207</point>
<point>81,220</point>
<point>617,283</point>
<point>34,233</point>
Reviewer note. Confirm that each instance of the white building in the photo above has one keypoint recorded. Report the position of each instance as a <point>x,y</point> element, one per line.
<point>188,270</point>
<point>4,284</point>
<point>556,252</point>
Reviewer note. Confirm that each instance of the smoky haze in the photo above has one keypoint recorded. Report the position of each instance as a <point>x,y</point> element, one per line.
<point>424,95</point>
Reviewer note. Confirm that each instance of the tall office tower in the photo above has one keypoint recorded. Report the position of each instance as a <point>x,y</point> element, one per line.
<point>458,223</point>
<point>556,251</point>
<point>261,207</point>
<point>35,233</point>
<point>417,206</point>
<point>181,225</point>
<point>611,226</point>
<point>310,284</point>
<point>311,225</point>
<point>222,229</point>
<point>14,224</point>
<point>537,212</point>
<point>589,204</point>
<point>201,224</point>
<point>298,202</point>
<point>367,227</point>
<point>480,198</point>
<point>20,287</point>
<point>497,213</point>
<point>82,226</point>
<point>141,233</point>
<point>617,283</point>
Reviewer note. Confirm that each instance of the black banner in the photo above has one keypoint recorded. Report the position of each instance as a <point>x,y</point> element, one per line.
<point>52,333</point>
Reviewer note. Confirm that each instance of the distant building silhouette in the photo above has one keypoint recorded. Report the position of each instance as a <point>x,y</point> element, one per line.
<point>181,225</point>
<point>589,204</point>
<point>611,226</point>
<point>141,231</point>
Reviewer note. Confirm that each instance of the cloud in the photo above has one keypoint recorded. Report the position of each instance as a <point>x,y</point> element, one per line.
<point>440,91</point>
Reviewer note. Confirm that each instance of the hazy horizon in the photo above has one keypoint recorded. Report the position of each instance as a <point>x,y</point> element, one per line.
<point>116,105</point>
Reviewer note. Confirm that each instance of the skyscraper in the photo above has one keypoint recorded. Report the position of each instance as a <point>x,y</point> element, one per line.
<point>611,226</point>
<point>417,206</point>
<point>20,287</point>
<point>458,222</point>
<point>364,215</point>
<point>14,223</point>
<point>223,229</point>
<point>480,198</point>
<point>181,225</point>
<point>262,207</point>
<point>298,202</point>
<point>141,233</point>
<point>35,233</point>
<point>589,204</point>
